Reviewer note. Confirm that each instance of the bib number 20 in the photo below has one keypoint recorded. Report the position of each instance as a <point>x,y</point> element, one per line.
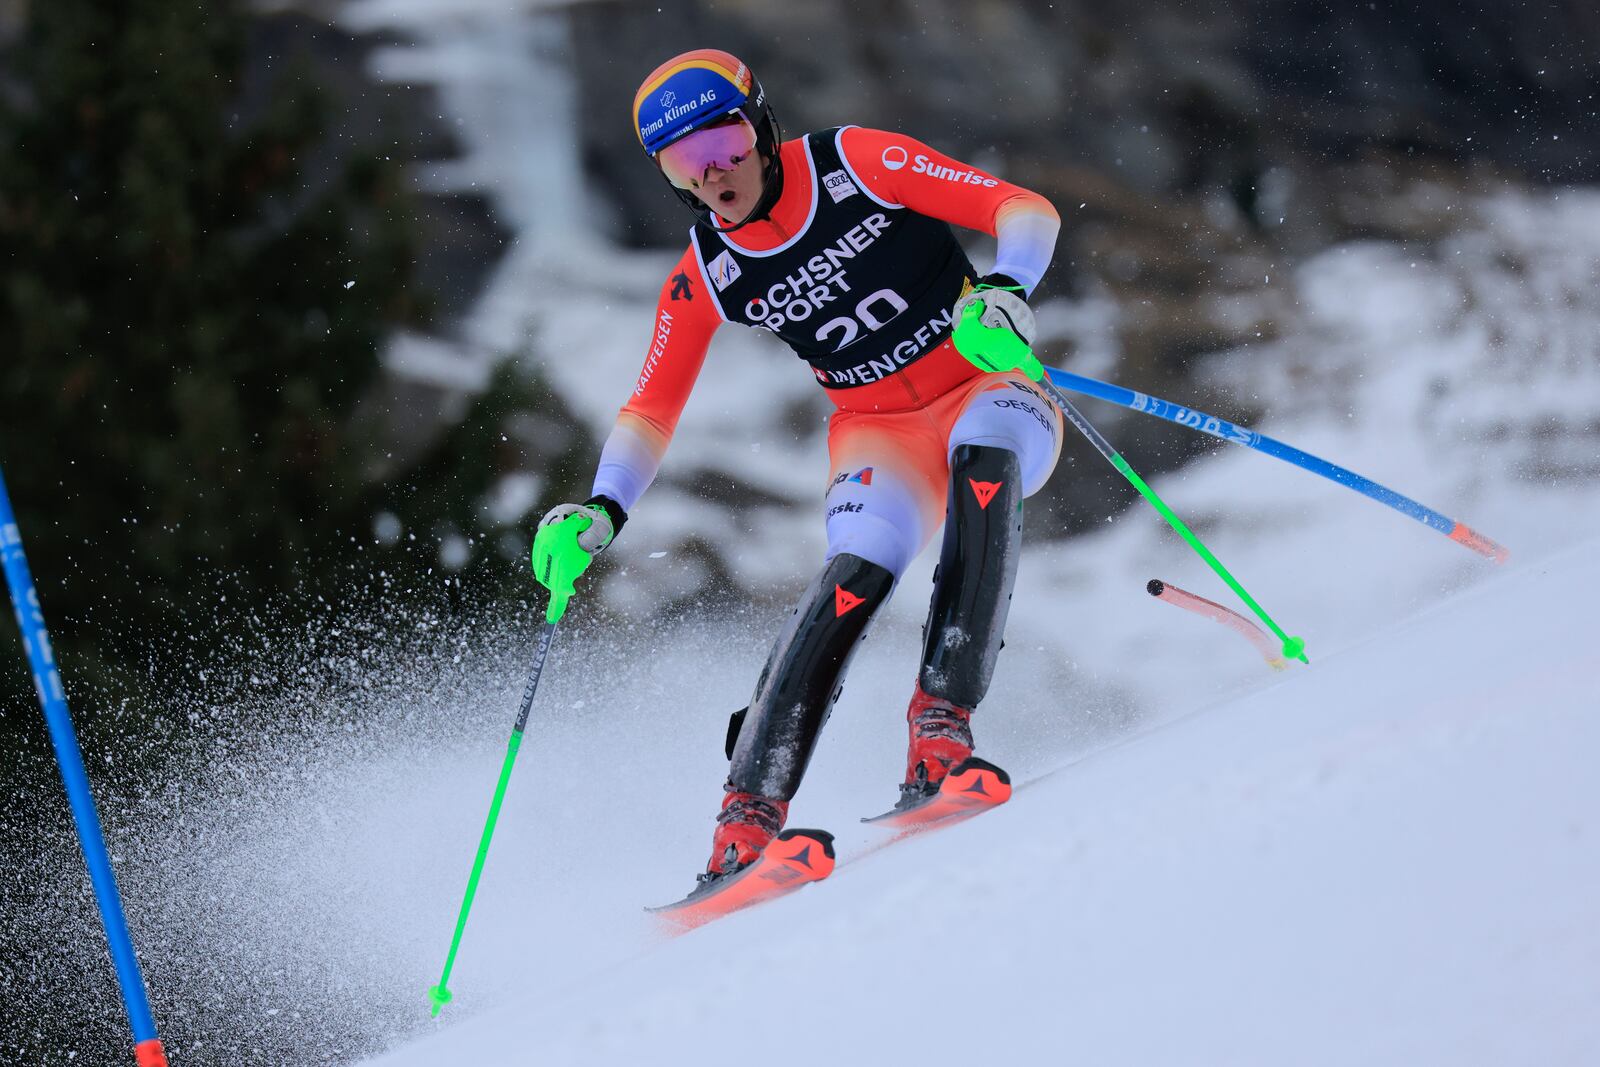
<point>874,311</point>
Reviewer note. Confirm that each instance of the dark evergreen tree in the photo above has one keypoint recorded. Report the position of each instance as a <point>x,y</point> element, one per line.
<point>188,315</point>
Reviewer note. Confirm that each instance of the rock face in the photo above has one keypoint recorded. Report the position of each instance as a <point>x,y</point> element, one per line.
<point>1163,99</point>
<point>1259,129</point>
<point>1198,157</point>
<point>1197,152</point>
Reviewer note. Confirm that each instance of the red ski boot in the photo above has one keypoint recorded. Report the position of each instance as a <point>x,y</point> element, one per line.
<point>941,737</point>
<point>745,826</point>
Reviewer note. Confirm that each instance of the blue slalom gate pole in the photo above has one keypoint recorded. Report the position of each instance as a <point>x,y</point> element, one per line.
<point>52,698</point>
<point>1459,532</point>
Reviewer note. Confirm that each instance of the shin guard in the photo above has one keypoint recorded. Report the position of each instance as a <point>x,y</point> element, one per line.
<point>771,747</point>
<point>977,570</point>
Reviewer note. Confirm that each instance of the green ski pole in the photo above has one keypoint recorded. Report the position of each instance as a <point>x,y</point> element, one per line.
<point>440,994</point>
<point>1293,647</point>
<point>995,348</point>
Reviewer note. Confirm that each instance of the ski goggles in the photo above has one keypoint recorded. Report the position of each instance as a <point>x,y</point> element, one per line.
<point>724,144</point>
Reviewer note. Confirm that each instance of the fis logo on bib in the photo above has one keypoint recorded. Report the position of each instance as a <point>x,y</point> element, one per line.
<point>724,271</point>
<point>839,185</point>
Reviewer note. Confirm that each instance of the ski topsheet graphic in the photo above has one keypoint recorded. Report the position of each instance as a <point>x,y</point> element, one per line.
<point>793,859</point>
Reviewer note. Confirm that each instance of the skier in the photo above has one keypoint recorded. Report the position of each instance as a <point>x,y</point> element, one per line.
<point>840,243</point>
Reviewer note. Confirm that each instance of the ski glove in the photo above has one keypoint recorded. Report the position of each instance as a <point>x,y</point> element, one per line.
<point>568,539</point>
<point>994,327</point>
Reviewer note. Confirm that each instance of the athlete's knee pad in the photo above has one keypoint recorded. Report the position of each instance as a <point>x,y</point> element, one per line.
<point>977,570</point>
<point>770,743</point>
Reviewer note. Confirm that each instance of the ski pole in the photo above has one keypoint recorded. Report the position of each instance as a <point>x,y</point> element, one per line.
<point>1459,532</point>
<point>69,758</point>
<point>1210,609</point>
<point>1293,647</point>
<point>440,994</point>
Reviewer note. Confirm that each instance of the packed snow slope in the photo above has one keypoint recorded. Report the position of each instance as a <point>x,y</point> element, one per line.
<point>1387,857</point>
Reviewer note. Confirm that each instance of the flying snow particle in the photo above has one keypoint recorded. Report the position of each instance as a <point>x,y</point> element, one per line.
<point>386,527</point>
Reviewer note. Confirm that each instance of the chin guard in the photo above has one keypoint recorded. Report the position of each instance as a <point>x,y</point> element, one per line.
<point>770,742</point>
<point>977,571</point>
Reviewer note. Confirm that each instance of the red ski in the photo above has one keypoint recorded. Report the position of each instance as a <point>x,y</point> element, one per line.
<point>972,786</point>
<point>793,859</point>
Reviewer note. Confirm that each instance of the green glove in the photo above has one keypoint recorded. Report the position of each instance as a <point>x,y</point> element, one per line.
<point>568,539</point>
<point>991,326</point>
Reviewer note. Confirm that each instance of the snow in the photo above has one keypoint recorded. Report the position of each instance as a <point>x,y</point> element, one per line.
<point>1388,857</point>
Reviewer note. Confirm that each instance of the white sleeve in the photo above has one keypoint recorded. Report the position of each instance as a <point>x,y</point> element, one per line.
<point>1026,239</point>
<point>627,467</point>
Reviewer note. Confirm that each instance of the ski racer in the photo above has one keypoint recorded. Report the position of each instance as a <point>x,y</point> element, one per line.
<point>840,243</point>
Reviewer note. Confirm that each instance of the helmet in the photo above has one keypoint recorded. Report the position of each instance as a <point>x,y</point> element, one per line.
<point>692,90</point>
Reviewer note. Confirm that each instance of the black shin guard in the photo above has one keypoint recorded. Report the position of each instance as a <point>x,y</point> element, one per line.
<point>772,745</point>
<point>977,569</point>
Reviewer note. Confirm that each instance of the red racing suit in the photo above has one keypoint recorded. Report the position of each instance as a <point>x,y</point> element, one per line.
<point>855,267</point>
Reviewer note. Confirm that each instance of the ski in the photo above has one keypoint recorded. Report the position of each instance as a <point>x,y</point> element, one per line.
<point>793,859</point>
<point>972,786</point>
